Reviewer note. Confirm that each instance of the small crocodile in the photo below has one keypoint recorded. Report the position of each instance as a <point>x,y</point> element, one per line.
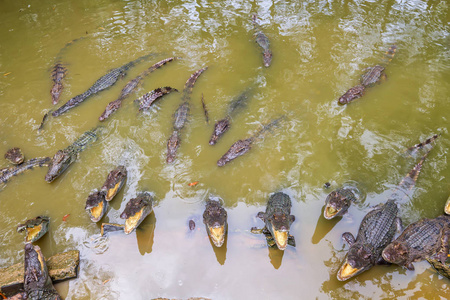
<point>243,146</point>
<point>8,172</point>
<point>263,42</point>
<point>371,76</point>
<point>215,219</point>
<point>376,231</point>
<point>223,125</point>
<point>114,182</point>
<point>278,220</point>
<point>130,87</point>
<point>35,228</point>
<point>96,205</point>
<point>136,210</point>
<point>338,202</point>
<point>180,116</point>
<point>14,156</point>
<point>64,158</point>
<point>426,238</point>
<point>148,99</point>
<point>103,83</point>
<point>37,282</point>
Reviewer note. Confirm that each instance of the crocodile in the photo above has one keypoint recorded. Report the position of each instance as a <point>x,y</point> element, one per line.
<point>35,228</point>
<point>420,145</point>
<point>215,219</point>
<point>148,99</point>
<point>64,158</point>
<point>426,238</point>
<point>114,182</point>
<point>338,202</point>
<point>376,231</point>
<point>101,84</point>
<point>14,156</point>
<point>8,172</point>
<point>180,116</point>
<point>278,220</point>
<point>37,282</point>
<point>136,210</point>
<point>263,42</point>
<point>130,87</point>
<point>441,268</point>
<point>371,76</point>
<point>96,205</point>
<point>243,146</point>
<point>224,124</point>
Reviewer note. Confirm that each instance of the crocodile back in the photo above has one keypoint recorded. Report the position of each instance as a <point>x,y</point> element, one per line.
<point>425,235</point>
<point>80,144</point>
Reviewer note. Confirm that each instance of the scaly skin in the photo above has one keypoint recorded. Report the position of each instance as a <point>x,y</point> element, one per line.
<point>58,74</point>
<point>14,156</point>
<point>37,282</point>
<point>215,219</point>
<point>427,238</point>
<point>352,94</point>
<point>148,99</point>
<point>114,182</point>
<point>263,42</point>
<point>136,210</point>
<point>8,172</point>
<point>440,267</point>
<point>101,84</point>
<point>64,158</point>
<point>36,228</point>
<point>172,146</point>
<point>338,202</point>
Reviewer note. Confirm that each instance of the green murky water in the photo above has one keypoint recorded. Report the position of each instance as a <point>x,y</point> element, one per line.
<point>319,51</point>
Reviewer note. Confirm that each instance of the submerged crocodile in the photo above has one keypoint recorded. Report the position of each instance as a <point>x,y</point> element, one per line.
<point>114,182</point>
<point>376,231</point>
<point>223,125</point>
<point>215,219</point>
<point>148,99</point>
<point>8,172</point>
<point>37,282</point>
<point>371,76</point>
<point>64,158</point>
<point>427,238</point>
<point>278,220</point>
<point>130,87</point>
<point>101,84</point>
<point>14,156</point>
<point>136,210</point>
<point>338,202</point>
<point>263,42</point>
<point>180,116</point>
<point>36,228</point>
<point>243,146</point>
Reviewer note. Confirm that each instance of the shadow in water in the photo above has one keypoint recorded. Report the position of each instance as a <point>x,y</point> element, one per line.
<point>276,256</point>
<point>145,234</point>
<point>323,227</point>
<point>220,252</point>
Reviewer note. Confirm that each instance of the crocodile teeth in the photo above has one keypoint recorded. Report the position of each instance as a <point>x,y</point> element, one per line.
<point>346,272</point>
<point>281,237</point>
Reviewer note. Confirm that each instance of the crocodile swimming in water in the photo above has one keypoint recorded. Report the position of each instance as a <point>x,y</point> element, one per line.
<point>101,84</point>
<point>278,220</point>
<point>223,125</point>
<point>180,116</point>
<point>8,172</point>
<point>376,231</point>
<point>371,76</point>
<point>130,87</point>
<point>64,158</point>
<point>215,219</point>
<point>243,146</point>
<point>263,42</point>
<point>426,238</point>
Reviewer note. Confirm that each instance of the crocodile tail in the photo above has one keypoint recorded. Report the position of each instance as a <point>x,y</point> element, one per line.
<point>158,65</point>
<point>389,54</point>
<point>410,179</point>
<point>412,149</point>
<point>61,51</point>
<point>190,83</point>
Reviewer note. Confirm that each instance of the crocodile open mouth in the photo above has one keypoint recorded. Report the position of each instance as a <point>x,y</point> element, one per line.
<point>330,212</point>
<point>217,235</point>
<point>447,207</point>
<point>346,271</point>
<point>33,232</point>
<point>97,212</point>
<point>113,191</point>
<point>133,221</point>
<point>281,238</point>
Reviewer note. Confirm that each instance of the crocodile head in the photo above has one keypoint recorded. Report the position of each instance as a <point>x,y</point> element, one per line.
<point>237,149</point>
<point>279,224</point>
<point>35,228</point>
<point>110,108</point>
<point>60,161</point>
<point>359,259</point>
<point>352,94</point>
<point>96,205</point>
<point>14,156</point>
<point>114,182</point>
<point>336,204</point>
<point>219,128</point>
<point>36,273</point>
<point>136,210</point>
<point>215,219</point>
<point>267,57</point>
<point>396,253</point>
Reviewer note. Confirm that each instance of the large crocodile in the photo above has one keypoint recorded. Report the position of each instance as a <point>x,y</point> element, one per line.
<point>8,172</point>
<point>223,125</point>
<point>426,238</point>
<point>64,158</point>
<point>101,84</point>
<point>180,116</point>
<point>371,76</point>
<point>243,146</point>
<point>130,87</point>
<point>263,42</point>
<point>376,231</point>
<point>278,220</point>
<point>37,283</point>
<point>215,219</point>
